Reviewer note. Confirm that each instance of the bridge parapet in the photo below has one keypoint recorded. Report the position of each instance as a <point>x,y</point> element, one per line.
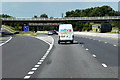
<point>62,19</point>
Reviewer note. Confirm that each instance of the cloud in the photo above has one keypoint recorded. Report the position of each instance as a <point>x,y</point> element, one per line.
<point>60,1</point>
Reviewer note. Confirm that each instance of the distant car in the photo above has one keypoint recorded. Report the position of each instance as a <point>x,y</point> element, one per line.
<point>119,31</point>
<point>50,32</point>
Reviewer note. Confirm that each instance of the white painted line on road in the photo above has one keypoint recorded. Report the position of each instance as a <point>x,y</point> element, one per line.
<point>39,63</point>
<point>86,49</point>
<point>105,42</point>
<point>41,60</point>
<point>44,56</point>
<point>94,55</point>
<point>37,66</point>
<point>114,45</point>
<point>82,45</point>
<point>34,68</point>
<point>26,77</point>
<point>6,41</point>
<point>104,65</point>
<point>31,72</point>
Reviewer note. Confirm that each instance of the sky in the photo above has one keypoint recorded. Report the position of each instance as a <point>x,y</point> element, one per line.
<point>52,9</point>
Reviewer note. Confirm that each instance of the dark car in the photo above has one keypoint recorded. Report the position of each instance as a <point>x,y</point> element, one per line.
<point>51,32</point>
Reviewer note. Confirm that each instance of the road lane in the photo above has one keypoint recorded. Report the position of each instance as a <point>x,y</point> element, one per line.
<point>113,41</point>
<point>105,52</point>
<point>20,55</point>
<point>72,61</point>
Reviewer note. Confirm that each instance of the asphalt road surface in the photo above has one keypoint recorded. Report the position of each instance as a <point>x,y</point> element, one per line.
<point>85,58</point>
<point>20,55</point>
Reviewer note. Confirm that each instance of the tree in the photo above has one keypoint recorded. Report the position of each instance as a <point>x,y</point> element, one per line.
<point>43,16</point>
<point>35,16</point>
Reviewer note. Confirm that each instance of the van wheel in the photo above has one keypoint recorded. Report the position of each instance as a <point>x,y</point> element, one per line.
<point>71,41</point>
<point>58,42</point>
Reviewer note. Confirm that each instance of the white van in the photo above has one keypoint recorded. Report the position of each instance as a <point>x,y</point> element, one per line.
<point>65,33</point>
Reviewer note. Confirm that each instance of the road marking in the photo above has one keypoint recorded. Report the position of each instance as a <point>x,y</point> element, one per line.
<point>41,60</point>
<point>31,72</point>
<point>82,45</point>
<point>104,65</point>
<point>105,42</point>
<point>37,66</point>
<point>39,63</point>
<point>86,49</point>
<point>94,55</point>
<point>114,45</point>
<point>44,56</point>
<point>26,77</point>
<point>34,68</point>
<point>93,39</point>
<point>6,41</point>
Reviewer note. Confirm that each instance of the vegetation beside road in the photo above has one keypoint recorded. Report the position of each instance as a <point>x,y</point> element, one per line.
<point>12,30</point>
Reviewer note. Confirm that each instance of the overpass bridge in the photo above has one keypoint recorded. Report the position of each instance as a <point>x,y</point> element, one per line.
<point>65,20</point>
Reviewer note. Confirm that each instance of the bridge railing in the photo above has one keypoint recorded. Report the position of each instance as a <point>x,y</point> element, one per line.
<point>66,18</point>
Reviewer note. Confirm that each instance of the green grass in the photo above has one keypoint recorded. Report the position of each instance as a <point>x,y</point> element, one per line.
<point>29,33</point>
<point>12,30</point>
<point>9,29</point>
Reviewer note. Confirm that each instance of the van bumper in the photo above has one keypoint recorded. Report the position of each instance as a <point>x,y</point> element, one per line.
<point>64,40</point>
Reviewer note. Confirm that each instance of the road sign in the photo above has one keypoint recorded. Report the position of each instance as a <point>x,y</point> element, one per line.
<point>26,28</point>
<point>20,27</point>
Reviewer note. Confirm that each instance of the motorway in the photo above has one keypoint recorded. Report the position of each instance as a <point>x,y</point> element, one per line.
<point>85,58</point>
<point>21,54</point>
<point>76,60</point>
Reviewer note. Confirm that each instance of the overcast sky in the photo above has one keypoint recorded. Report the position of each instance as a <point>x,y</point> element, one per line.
<point>52,9</point>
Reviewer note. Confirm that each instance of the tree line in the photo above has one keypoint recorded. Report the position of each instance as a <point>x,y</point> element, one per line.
<point>93,12</point>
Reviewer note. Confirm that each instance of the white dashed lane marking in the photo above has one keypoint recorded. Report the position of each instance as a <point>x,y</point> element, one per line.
<point>105,42</point>
<point>34,69</point>
<point>39,63</point>
<point>37,66</point>
<point>104,65</point>
<point>114,45</point>
<point>41,60</point>
<point>94,55</point>
<point>26,77</point>
<point>86,49</point>
<point>31,72</point>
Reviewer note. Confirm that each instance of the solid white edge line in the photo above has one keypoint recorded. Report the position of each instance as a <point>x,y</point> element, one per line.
<point>6,41</point>
<point>104,65</point>
<point>27,77</point>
